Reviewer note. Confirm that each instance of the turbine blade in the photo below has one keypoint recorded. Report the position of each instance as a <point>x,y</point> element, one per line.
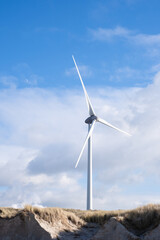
<point>110,125</point>
<point>90,108</point>
<point>88,136</point>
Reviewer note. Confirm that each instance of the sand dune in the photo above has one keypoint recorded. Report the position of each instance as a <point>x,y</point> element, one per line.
<point>32,223</point>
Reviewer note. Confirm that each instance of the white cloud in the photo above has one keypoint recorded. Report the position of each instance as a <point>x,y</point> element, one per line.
<point>114,189</point>
<point>104,34</point>
<point>33,80</point>
<point>147,39</point>
<point>130,201</point>
<point>22,76</point>
<point>8,81</point>
<point>41,134</point>
<point>107,34</point>
<point>128,74</point>
<point>155,68</point>
<point>85,71</point>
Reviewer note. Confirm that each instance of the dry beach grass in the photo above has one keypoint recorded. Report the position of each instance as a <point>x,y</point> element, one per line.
<point>47,214</point>
<point>137,221</point>
<point>54,214</point>
<point>140,217</point>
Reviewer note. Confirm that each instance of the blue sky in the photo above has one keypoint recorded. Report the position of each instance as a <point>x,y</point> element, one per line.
<point>42,108</point>
<point>39,37</point>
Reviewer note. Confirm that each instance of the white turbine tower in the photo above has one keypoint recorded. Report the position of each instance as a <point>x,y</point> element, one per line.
<point>91,120</point>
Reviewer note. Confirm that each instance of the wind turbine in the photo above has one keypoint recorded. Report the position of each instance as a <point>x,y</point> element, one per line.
<point>91,120</point>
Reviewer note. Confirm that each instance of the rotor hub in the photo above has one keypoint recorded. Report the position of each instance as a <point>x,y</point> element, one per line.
<point>90,119</point>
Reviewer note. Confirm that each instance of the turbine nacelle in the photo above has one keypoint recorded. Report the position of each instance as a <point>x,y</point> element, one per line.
<point>90,119</point>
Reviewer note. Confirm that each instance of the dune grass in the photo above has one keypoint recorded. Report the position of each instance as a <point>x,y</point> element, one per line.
<point>6,212</point>
<point>95,216</point>
<point>139,218</point>
<point>143,217</point>
<point>55,214</point>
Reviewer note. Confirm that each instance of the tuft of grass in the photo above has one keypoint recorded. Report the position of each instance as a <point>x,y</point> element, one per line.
<point>142,218</point>
<point>96,216</point>
<point>6,212</point>
<point>53,215</point>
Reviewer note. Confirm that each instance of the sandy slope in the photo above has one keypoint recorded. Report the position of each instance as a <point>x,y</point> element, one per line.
<point>114,230</point>
<point>30,227</point>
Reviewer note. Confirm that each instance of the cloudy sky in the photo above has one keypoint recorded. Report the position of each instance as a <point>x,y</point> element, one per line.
<point>42,107</point>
